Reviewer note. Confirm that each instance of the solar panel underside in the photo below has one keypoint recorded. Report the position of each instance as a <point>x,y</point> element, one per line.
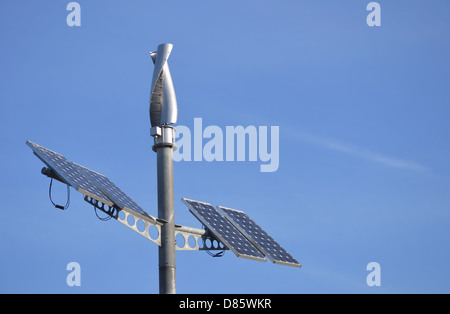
<point>223,230</point>
<point>86,181</point>
<point>263,241</point>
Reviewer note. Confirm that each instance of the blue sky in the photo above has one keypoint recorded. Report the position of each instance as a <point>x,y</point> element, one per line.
<point>364,173</point>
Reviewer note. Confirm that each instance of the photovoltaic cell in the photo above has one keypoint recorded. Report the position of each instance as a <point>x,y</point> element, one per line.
<point>264,242</point>
<point>85,180</point>
<point>223,230</point>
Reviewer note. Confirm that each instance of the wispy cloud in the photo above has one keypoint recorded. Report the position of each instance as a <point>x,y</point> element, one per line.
<point>335,145</point>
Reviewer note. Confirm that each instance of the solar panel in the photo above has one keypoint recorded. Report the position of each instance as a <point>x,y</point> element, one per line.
<point>264,242</point>
<point>86,181</point>
<point>223,230</point>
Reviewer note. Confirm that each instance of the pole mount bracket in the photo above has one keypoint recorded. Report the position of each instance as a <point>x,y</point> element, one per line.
<point>164,136</point>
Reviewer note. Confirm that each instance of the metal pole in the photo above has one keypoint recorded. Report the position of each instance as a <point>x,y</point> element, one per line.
<point>164,148</point>
<point>163,113</point>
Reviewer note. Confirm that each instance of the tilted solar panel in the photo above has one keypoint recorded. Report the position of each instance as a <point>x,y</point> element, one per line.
<point>86,181</point>
<point>223,230</point>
